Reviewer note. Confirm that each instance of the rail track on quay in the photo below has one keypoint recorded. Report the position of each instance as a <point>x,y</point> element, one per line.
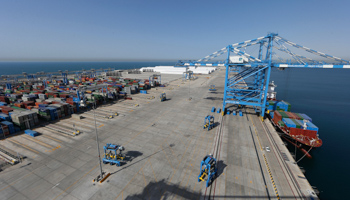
<point>282,162</point>
<point>209,192</point>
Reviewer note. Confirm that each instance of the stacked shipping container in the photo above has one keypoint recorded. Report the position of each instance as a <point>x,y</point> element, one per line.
<point>23,105</point>
<point>293,123</point>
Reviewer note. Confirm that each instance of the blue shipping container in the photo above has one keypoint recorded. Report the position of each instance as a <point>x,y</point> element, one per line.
<point>311,126</point>
<point>9,125</point>
<point>42,109</point>
<point>270,107</point>
<point>4,117</point>
<point>31,132</point>
<point>17,129</point>
<point>300,122</point>
<point>282,105</point>
<point>289,123</point>
<point>305,117</point>
<point>76,99</point>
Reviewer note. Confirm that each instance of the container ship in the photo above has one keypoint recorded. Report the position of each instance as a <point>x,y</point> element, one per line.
<point>295,128</point>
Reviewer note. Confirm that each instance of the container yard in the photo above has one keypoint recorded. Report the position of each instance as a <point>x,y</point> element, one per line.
<point>49,142</point>
<point>27,103</point>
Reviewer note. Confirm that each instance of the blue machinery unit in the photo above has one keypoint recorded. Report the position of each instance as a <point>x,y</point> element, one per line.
<point>212,88</point>
<point>247,77</point>
<point>81,98</point>
<point>65,78</point>
<point>208,170</point>
<point>162,96</point>
<point>208,122</point>
<point>111,155</point>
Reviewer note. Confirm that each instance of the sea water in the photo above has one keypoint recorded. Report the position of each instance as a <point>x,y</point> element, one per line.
<point>7,68</point>
<point>324,95</point>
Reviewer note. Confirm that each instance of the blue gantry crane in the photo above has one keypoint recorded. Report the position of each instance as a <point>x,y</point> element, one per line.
<point>8,86</point>
<point>247,76</point>
<point>80,99</point>
<point>113,154</point>
<point>64,76</point>
<point>30,77</point>
<point>208,122</point>
<point>187,75</point>
<point>208,170</point>
<point>155,78</point>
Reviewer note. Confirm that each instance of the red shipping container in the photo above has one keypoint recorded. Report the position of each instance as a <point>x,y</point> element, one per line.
<point>277,117</point>
<point>19,105</point>
<point>296,116</point>
<point>28,102</point>
<point>6,110</point>
<point>292,115</point>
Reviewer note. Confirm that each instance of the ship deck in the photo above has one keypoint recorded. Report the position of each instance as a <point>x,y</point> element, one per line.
<point>164,144</point>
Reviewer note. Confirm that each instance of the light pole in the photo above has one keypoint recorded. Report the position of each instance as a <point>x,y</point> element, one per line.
<point>189,84</point>
<point>98,146</point>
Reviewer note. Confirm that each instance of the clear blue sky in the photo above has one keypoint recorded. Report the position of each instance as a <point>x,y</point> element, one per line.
<point>163,29</point>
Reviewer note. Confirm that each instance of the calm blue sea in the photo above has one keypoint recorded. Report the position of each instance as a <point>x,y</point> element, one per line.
<point>7,68</point>
<point>323,94</point>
